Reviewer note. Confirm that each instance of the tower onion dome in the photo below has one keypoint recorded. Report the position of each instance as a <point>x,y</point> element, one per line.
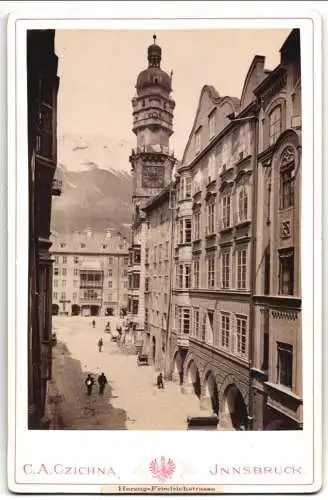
<point>154,75</point>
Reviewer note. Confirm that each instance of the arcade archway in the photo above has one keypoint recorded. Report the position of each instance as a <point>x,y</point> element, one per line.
<point>76,310</point>
<point>177,372</point>
<point>235,408</point>
<point>212,393</point>
<point>193,378</point>
<point>55,309</point>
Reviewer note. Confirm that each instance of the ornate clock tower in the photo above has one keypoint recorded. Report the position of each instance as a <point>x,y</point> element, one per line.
<point>153,107</point>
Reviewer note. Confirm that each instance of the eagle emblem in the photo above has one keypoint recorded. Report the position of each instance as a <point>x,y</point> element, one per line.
<point>162,470</point>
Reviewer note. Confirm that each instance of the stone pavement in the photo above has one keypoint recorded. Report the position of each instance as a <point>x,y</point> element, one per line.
<point>132,400</point>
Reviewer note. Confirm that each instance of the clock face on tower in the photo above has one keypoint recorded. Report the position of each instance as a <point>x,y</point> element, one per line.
<point>153,176</point>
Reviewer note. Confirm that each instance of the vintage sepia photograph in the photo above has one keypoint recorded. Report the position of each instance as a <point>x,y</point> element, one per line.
<point>164,253</point>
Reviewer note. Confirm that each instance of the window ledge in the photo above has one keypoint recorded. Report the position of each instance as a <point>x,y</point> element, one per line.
<point>225,229</point>
<point>243,223</point>
<point>284,390</point>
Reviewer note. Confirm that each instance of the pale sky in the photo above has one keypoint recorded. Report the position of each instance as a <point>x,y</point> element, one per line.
<point>99,68</point>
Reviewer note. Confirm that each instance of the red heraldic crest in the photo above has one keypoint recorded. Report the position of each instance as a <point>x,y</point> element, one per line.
<point>163,470</point>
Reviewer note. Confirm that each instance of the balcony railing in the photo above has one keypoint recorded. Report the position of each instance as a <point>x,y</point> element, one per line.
<point>91,284</point>
<point>90,300</point>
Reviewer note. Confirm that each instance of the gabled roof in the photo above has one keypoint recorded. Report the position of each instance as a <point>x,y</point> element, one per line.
<point>255,75</point>
<point>216,99</point>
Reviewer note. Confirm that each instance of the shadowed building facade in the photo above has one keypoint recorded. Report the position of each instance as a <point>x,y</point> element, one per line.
<point>90,275</point>
<point>42,88</point>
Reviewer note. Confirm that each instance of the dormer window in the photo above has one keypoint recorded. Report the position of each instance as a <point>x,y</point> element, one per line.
<point>211,124</point>
<point>104,246</point>
<point>62,245</point>
<point>198,139</point>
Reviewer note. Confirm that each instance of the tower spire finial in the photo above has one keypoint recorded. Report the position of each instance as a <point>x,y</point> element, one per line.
<point>154,37</point>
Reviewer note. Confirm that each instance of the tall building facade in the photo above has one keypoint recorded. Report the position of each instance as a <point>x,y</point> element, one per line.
<point>277,357</point>
<point>227,325</point>
<point>42,88</point>
<point>90,275</point>
<point>151,163</point>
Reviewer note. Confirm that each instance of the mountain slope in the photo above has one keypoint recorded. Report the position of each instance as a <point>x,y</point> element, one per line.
<point>96,192</point>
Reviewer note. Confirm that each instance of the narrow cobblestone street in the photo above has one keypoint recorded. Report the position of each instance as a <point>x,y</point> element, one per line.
<point>131,400</point>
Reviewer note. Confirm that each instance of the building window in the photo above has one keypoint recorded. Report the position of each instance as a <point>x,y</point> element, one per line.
<point>210,317</point>
<point>135,306</point>
<point>56,259</point>
<point>241,331</point>
<point>125,284</point>
<point>184,230</point>
<point>110,284</point>
<point>76,260</point>
<point>147,284</point>
<point>211,124</point>
<point>75,284</point>
<point>62,245</point>
<point>146,318</point>
<point>55,283</point>
<point>211,272</point>
<point>135,281</point>
<point>82,245</point>
<point>166,251</point>
<point>110,272</point>
<point>185,188</point>
<point>137,256</point>
<point>76,271</point>
<point>64,259</point>
<point>56,271</point>
<point>55,295</point>
<point>64,271</point>
<point>125,273</point>
<point>225,270</point>
<point>198,139</point>
<point>160,250</point>
<point>63,283</point>
<point>45,118</point>
<point>241,258</point>
<point>63,296</point>
<point>184,276</point>
<point>74,295</point>
<point>267,271</point>
<point>285,365</point>
<point>204,328</point>
<point>274,124</point>
<point>225,330</point>
<point>226,211</point>
<point>196,274</point>
<point>146,255</point>
<point>211,168</point>
<point>287,185</point>
<point>210,229</point>
<point>183,320</point>
<point>286,272</point>
<point>110,260</point>
<point>126,261</point>
<point>195,328</point>
<point>242,204</point>
<point>196,226</point>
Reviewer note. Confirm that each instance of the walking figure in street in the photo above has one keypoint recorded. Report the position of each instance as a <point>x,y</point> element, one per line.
<point>100,344</point>
<point>102,381</point>
<point>89,382</point>
<point>160,383</point>
<point>94,323</point>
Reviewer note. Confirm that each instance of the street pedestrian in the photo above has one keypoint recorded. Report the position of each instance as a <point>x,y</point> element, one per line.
<point>89,382</point>
<point>94,323</point>
<point>160,383</point>
<point>102,381</point>
<point>100,344</point>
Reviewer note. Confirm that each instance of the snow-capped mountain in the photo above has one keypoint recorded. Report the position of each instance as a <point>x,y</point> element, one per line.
<point>96,184</point>
<point>80,153</point>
